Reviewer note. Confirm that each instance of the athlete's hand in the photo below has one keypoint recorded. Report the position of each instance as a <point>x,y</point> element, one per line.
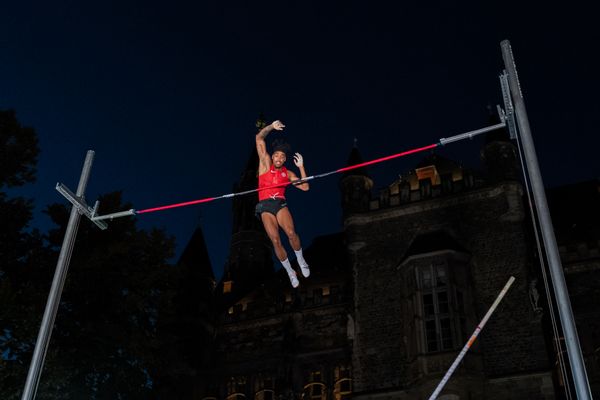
<point>298,160</point>
<point>278,125</point>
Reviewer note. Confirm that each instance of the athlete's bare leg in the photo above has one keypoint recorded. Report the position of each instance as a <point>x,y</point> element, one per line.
<point>285,220</point>
<point>272,227</point>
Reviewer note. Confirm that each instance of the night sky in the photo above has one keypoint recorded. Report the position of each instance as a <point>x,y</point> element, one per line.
<point>168,94</point>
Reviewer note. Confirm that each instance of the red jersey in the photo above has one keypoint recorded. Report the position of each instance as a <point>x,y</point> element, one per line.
<point>270,178</point>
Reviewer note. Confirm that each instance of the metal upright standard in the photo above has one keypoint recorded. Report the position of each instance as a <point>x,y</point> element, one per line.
<point>582,386</point>
<point>60,274</point>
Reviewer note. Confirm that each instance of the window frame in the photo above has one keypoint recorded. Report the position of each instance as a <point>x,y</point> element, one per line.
<point>445,319</point>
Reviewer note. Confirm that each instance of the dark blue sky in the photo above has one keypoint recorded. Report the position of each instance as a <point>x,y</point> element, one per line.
<point>167,94</point>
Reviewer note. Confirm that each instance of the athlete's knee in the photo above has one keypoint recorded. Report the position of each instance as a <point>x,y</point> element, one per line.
<point>291,234</point>
<point>276,240</point>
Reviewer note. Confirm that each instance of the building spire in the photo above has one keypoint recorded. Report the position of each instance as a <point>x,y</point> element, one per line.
<point>355,185</point>
<point>250,249</point>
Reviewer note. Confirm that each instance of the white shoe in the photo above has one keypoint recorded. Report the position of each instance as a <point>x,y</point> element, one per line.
<point>293,279</point>
<point>304,269</point>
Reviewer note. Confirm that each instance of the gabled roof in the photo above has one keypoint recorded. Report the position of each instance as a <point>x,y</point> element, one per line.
<point>195,256</point>
<point>353,159</point>
<point>431,242</point>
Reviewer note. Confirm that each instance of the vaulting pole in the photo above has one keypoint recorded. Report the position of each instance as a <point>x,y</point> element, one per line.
<point>471,340</point>
<point>582,386</point>
<point>60,275</point>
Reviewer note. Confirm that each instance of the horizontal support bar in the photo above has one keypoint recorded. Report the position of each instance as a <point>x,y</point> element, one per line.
<point>113,215</point>
<point>81,206</point>
<point>471,134</point>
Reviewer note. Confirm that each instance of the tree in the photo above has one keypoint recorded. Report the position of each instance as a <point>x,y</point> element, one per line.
<point>22,253</point>
<point>106,327</point>
<point>18,151</point>
<point>18,158</point>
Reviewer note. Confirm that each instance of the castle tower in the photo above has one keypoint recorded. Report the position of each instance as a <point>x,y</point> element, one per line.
<point>499,154</point>
<point>250,254</point>
<point>355,185</point>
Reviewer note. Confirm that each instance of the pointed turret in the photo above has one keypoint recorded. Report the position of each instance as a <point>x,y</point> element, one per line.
<point>196,269</point>
<point>355,185</point>
<point>191,324</point>
<point>243,207</point>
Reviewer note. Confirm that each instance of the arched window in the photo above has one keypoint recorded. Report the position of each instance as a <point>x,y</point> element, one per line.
<point>343,389</point>
<point>343,382</point>
<point>265,394</point>
<point>236,388</point>
<point>263,387</point>
<point>236,396</point>
<point>314,391</point>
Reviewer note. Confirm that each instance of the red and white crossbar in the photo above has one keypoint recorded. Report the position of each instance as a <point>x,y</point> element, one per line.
<point>442,142</point>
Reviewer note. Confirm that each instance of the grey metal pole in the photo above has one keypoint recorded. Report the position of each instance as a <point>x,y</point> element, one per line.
<point>60,274</point>
<point>582,386</point>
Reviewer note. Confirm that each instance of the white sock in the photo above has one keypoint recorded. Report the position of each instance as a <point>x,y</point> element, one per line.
<point>286,264</point>
<point>291,273</point>
<point>300,257</point>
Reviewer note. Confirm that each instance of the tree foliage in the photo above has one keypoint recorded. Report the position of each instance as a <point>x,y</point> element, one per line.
<point>106,328</point>
<point>105,342</point>
<point>23,256</point>
<point>18,151</point>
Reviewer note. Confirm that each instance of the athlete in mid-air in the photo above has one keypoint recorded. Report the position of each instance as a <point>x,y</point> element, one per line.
<point>272,206</point>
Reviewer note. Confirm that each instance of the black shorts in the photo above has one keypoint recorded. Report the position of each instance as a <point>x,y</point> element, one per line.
<point>271,206</point>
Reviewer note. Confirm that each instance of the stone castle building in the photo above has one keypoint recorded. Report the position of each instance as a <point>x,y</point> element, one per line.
<point>394,296</point>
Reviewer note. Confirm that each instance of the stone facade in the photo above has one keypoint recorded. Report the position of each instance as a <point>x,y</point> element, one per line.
<point>489,224</point>
<point>276,341</point>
